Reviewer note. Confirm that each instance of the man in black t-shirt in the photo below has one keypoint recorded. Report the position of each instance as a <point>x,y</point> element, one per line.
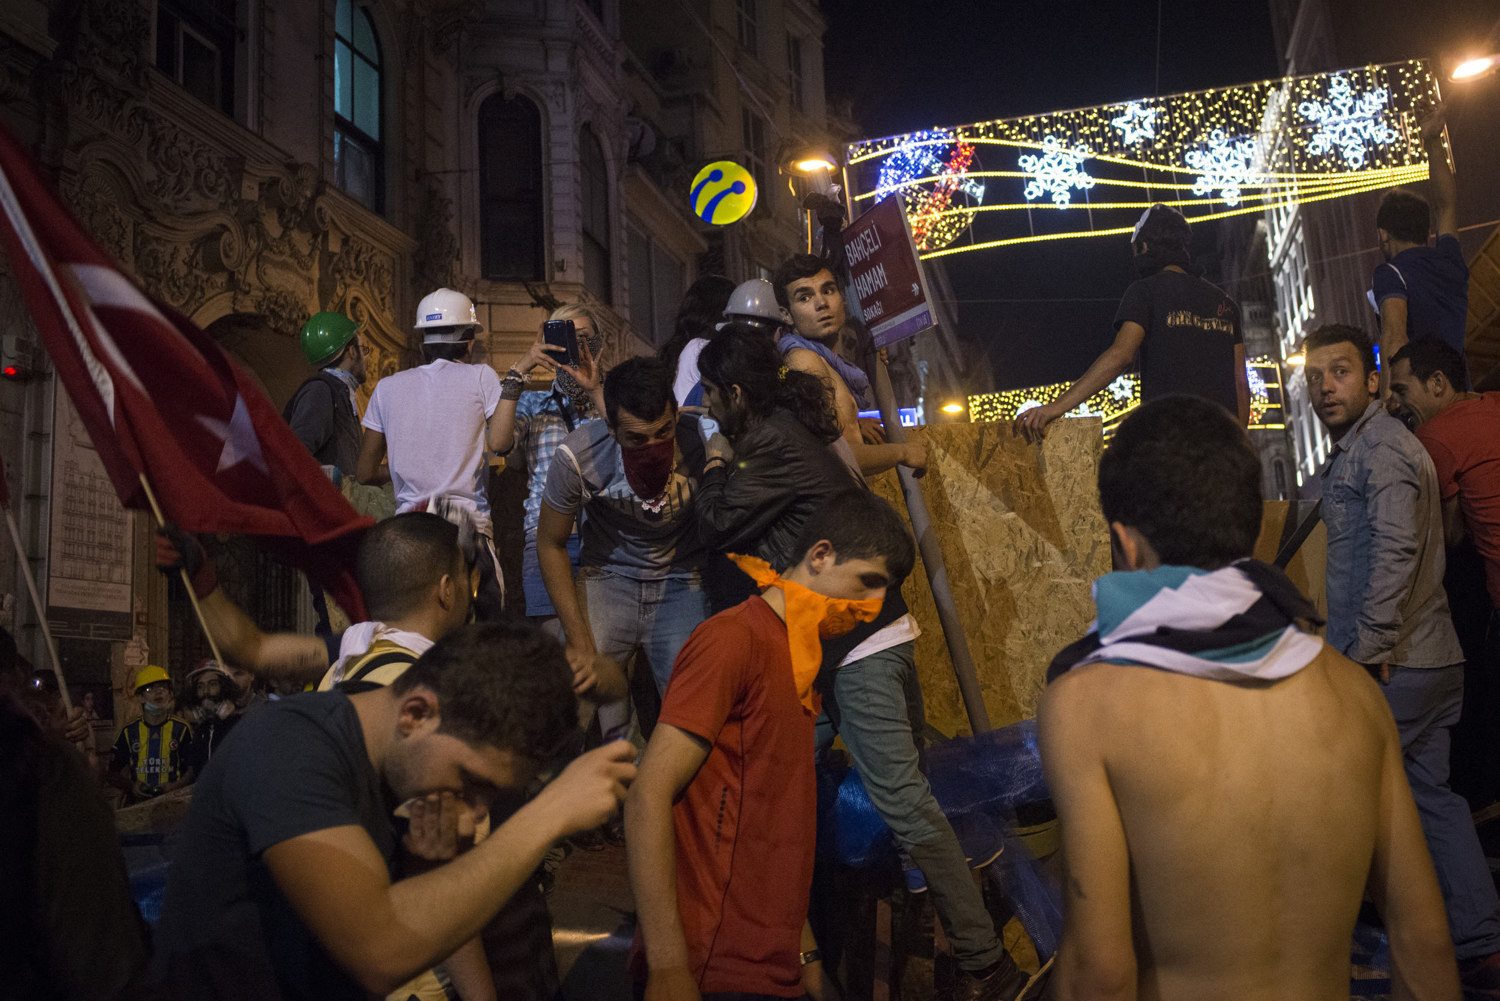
<point>1186,330</point>
<point>287,881</point>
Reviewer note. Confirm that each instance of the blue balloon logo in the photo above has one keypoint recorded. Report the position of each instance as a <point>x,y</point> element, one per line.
<point>723,192</point>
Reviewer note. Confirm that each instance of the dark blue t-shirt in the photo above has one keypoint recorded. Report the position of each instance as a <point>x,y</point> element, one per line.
<point>295,766</point>
<point>1434,281</point>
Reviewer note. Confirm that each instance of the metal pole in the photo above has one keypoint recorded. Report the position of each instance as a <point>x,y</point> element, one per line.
<point>911,490</point>
<point>41,613</point>
<point>932,559</point>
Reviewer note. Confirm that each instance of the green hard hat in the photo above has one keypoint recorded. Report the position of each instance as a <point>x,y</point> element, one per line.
<point>325,334</point>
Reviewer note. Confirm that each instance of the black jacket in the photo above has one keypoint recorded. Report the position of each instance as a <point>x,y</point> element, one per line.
<point>780,475</point>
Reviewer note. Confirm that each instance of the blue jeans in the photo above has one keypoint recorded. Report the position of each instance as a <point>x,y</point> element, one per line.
<point>1426,703</point>
<point>875,704</point>
<point>653,616</point>
<point>538,603</point>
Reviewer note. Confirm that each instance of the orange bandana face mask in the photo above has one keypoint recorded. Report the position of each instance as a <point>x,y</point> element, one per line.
<point>810,617</point>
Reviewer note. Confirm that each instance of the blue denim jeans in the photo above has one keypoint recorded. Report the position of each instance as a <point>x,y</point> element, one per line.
<point>653,616</point>
<point>538,603</point>
<point>875,704</point>
<point>1426,703</point>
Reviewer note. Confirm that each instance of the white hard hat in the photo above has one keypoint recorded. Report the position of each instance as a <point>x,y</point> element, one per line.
<point>755,300</point>
<point>446,316</point>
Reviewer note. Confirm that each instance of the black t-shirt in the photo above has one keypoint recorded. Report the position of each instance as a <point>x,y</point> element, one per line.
<point>1191,330</point>
<point>295,766</point>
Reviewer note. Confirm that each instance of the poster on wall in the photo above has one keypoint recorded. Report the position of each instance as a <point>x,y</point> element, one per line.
<point>91,548</point>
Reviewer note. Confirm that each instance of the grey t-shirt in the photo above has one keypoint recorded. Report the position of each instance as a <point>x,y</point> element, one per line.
<point>620,533</point>
<point>291,768</point>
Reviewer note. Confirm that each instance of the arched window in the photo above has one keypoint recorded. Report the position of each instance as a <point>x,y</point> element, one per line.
<point>358,148</point>
<point>595,181</point>
<point>510,190</point>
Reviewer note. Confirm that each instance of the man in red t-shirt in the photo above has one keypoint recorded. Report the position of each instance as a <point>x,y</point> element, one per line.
<point>1461,432</point>
<point>720,822</point>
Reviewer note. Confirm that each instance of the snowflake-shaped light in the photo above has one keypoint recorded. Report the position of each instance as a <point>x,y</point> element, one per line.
<point>1122,388</point>
<point>1223,165</point>
<point>1136,123</point>
<point>1348,122</point>
<point>1056,171</point>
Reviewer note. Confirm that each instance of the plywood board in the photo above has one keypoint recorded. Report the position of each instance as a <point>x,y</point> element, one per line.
<point>1021,533</point>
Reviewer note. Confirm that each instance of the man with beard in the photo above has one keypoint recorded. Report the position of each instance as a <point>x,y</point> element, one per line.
<point>322,411</point>
<point>531,424</point>
<point>633,477</point>
<point>1388,611</point>
<point>1186,331</point>
<point>209,705</point>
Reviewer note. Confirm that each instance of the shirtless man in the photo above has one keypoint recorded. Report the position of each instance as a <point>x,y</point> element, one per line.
<point>1224,809</point>
<point>806,288</point>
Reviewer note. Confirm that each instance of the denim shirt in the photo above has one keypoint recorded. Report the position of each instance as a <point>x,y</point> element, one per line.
<point>1386,602</point>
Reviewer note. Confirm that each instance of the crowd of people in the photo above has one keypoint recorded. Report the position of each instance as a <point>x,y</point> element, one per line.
<point>375,813</point>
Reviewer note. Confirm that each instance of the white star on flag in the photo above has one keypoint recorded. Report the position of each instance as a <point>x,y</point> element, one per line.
<point>238,435</point>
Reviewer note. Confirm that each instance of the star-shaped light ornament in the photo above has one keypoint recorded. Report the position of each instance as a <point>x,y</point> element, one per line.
<point>238,435</point>
<point>1136,123</point>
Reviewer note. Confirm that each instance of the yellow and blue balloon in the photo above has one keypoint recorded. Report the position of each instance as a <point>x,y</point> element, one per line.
<point>723,192</point>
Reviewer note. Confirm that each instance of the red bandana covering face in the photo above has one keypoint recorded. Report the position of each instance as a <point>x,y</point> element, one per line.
<point>810,617</point>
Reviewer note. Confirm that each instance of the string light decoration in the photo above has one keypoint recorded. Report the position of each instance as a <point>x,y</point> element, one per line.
<point>1056,171</point>
<point>1114,402</point>
<point>1264,376</point>
<point>1211,154</point>
<point>1111,403</point>
<point>945,165</point>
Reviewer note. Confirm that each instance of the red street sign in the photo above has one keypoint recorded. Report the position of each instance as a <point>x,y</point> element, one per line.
<point>887,275</point>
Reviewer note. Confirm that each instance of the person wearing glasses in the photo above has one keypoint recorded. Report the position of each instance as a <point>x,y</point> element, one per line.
<point>149,756</point>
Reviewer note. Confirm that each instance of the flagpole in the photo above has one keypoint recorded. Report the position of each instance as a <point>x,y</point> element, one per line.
<point>187,581</point>
<point>41,614</point>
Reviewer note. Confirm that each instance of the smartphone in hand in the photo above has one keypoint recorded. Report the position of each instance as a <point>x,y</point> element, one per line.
<point>562,334</point>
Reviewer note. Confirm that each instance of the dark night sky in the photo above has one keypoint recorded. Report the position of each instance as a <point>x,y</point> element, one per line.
<point>908,66</point>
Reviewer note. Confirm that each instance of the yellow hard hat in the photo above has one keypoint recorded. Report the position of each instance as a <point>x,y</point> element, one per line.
<point>150,674</point>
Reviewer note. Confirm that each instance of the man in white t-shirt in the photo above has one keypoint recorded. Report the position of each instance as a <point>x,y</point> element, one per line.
<point>432,425</point>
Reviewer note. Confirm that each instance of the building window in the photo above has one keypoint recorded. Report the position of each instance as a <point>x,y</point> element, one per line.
<point>794,69</point>
<point>195,47</point>
<point>754,131</point>
<point>747,26</point>
<point>510,190</point>
<point>656,287</point>
<point>595,180</point>
<point>358,148</point>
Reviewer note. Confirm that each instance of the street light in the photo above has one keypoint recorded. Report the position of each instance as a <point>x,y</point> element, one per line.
<point>1297,359</point>
<point>953,408</point>
<point>1479,66</point>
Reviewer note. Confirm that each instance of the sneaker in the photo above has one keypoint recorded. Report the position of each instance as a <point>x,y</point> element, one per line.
<point>1002,982</point>
<point>1480,977</point>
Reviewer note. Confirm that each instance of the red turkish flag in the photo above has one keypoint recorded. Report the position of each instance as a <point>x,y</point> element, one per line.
<point>161,400</point>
